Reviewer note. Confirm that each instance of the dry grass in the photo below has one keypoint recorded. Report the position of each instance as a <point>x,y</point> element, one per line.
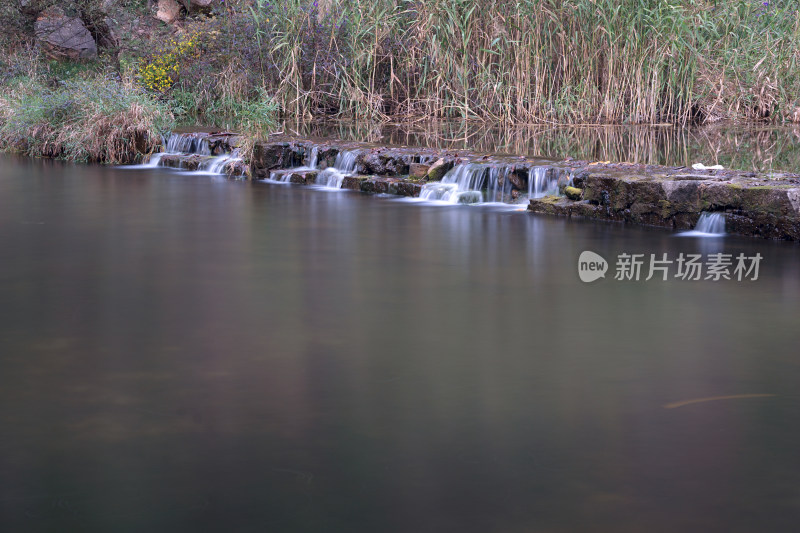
<point>531,61</point>
<point>97,119</point>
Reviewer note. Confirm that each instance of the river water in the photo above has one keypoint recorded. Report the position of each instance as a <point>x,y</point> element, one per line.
<point>187,353</point>
<point>760,148</point>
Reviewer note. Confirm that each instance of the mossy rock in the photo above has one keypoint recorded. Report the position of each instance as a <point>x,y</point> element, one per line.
<point>573,193</point>
<point>437,171</point>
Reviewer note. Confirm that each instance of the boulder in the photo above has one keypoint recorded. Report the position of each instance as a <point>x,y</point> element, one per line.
<point>197,5</point>
<point>168,11</point>
<point>308,177</point>
<point>573,193</point>
<point>353,183</point>
<point>326,157</point>
<point>269,156</point>
<point>417,170</point>
<point>517,178</point>
<point>64,37</point>
<point>439,169</point>
<point>383,163</point>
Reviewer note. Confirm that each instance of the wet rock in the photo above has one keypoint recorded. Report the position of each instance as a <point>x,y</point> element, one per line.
<point>439,169</point>
<point>268,156</point>
<point>326,157</point>
<point>573,193</point>
<point>375,185</point>
<point>222,142</point>
<point>405,188</point>
<point>518,178</point>
<point>353,183</point>
<point>300,177</point>
<point>418,170</point>
<point>662,196</point>
<point>382,163</point>
<point>382,185</point>
<point>64,37</point>
<point>184,161</point>
<point>237,169</point>
<point>308,177</point>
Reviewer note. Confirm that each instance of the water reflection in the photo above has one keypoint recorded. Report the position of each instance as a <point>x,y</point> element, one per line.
<point>181,354</point>
<point>742,147</point>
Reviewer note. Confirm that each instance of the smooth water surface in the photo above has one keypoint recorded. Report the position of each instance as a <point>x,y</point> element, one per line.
<point>184,353</point>
<point>760,148</point>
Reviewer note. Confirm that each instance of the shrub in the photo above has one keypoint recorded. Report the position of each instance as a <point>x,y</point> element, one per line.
<point>159,73</point>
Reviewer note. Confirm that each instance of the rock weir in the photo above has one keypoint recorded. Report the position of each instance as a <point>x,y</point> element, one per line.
<point>763,205</point>
<point>472,177</point>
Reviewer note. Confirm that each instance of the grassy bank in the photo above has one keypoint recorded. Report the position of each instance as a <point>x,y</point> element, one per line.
<point>97,119</point>
<point>244,63</point>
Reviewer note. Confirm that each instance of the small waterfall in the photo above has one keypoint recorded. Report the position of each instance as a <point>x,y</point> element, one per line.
<point>153,162</point>
<point>346,161</point>
<point>343,166</point>
<point>498,187</point>
<point>462,184</point>
<point>540,184</point>
<point>217,165</point>
<point>314,156</point>
<point>280,177</point>
<point>713,223</point>
<point>709,225</point>
<point>285,175</point>
<point>190,144</point>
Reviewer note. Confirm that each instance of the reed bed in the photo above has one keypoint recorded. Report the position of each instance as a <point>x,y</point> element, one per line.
<point>529,61</point>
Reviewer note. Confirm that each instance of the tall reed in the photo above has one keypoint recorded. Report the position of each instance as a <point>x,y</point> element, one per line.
<point>531,61</point>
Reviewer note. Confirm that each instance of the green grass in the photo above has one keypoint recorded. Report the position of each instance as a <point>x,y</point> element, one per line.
<point>82,119</point>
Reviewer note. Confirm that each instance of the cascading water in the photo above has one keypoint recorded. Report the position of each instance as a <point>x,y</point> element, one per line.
<point>279,177</point>
<point>462,184</point>
<point>191,145</point>
<point>217,165</point>
<point>346,161</point>
<point>343,166</point>
<point>541,183</point>
<point>314,156</point>
<point>154,161</point>
<point>711,223</point>
<point>285,175</point>
<point>187,144</point>
<point>473,183</point>
<point>466,183</point>
<point>708,225</point>
<point>498,187</point>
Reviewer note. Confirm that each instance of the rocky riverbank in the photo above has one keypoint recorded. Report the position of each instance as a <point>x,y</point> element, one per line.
<point>763,205</point>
